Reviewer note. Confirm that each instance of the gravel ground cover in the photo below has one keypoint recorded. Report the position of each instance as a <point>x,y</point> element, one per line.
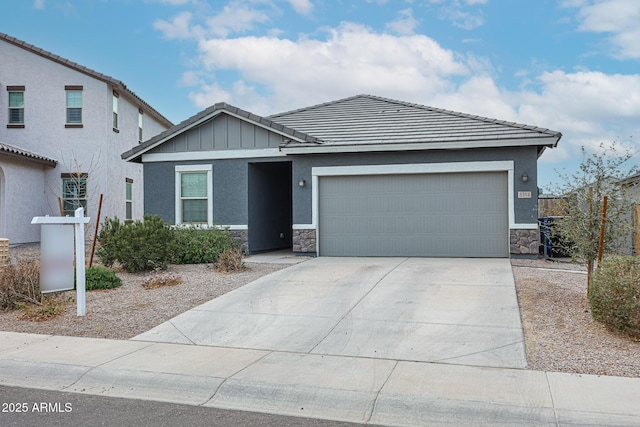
<point>560,335</point>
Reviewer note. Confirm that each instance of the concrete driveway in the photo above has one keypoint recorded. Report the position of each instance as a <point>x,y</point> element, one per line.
<point>456,311</point>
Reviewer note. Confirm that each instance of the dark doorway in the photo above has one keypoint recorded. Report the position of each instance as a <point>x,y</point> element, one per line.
<point>270,213</point>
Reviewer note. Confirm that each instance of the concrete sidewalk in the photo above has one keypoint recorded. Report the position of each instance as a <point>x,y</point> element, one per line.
<point>356,389</point>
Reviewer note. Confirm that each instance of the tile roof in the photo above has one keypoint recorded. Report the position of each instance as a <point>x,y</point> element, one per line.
<point>12,151</point>
<point>207,114</point>
<point>117,84</point>
<point>366,121</point>
<point>370,120</point>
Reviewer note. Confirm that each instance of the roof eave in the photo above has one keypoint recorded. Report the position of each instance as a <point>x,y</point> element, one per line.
<point>38,160</point>
<point>547,141</point>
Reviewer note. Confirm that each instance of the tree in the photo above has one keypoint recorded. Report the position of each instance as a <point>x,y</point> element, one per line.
<point>601,174</point>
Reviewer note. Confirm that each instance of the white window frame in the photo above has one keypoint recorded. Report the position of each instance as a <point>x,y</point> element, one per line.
<point>140,114</point>
<point>178,200</point>
<point>80,181</point>
<point>115,110</point>
<point>128,201</point>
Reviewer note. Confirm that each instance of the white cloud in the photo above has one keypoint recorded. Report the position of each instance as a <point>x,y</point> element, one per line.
<point>619,18</point>
<point>405,24</point>
<point>303,7</point>
<point>588,107</point>
<point>178,28</point>
<point>38,4</point>
<point>460,15</point>
<point>352,59</point>
<point>235,17</point>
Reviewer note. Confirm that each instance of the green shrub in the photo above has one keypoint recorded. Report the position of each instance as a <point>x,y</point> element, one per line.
<point>615,295</point>
<point>101,278</point>
<point>138,245</point>
<point>197,245</point>
<point>20,284</point>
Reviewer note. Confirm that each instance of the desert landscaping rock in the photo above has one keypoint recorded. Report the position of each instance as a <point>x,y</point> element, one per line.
<point>560,334</point>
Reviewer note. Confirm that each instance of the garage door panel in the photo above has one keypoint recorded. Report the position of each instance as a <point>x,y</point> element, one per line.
<point>457,214</point>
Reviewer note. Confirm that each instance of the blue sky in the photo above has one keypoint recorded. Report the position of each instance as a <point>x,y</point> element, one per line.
<point>567,65</point>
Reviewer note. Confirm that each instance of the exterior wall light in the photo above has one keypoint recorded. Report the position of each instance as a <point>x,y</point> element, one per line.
<point>302,182</point>
<point>525,177</point>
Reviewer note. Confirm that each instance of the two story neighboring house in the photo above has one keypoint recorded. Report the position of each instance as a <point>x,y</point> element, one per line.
<point>61,137</point>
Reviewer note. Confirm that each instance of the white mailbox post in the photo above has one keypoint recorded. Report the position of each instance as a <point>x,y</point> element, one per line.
<point>57,254</point>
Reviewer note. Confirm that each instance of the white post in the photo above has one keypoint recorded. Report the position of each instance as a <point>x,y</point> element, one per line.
<point>80,264</point>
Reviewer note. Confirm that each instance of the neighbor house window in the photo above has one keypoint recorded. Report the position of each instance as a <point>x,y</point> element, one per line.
<point>140,114</point>
<point>128,199</point>
<point>74,192</point>
<point>115,111</point>
<point>194,194</point>
<point>16,106</point>
<point>74,106</point>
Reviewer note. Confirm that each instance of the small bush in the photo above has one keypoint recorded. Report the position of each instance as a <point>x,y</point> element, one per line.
<point>615,295</point>
<point>230,260</point>
<point>52,305</point>
<point>197,245</point>
<point>159,280</point>
<point>20,284</point>
<point>138,245</point>
<point>101,278</point>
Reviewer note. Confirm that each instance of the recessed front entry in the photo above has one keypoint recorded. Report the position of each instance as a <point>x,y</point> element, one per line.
<point>269,206</point>
<point>428,214</point>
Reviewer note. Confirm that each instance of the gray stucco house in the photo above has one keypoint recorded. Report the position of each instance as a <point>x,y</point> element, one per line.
<point>360,176</point>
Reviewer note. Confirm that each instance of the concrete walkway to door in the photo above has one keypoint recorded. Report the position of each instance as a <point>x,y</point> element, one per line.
<point>455,311</point>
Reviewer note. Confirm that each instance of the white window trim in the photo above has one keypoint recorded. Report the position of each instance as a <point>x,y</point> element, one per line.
<point>489,166</point>
<point>194,168</point>
<point>128,201</point>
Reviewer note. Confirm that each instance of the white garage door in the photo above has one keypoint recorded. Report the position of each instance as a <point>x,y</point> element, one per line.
<point>431,215</point>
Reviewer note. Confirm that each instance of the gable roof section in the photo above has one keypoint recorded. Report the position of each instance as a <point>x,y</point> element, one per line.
<point>117,84</point>
<point>135,154</point>
<point>11,151</point>
<point>371,123</point>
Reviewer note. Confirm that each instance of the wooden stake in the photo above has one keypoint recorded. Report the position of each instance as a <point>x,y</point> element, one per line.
<point>60,206</point>
<point>95,234</point>
<point>590,261</point>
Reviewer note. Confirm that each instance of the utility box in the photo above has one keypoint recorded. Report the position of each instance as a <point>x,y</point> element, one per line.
<point>4,252</point>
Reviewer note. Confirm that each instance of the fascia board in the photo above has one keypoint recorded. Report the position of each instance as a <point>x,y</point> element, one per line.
<point>449,145</point>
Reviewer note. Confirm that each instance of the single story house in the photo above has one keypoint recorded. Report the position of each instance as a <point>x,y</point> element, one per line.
<point>360,176</point>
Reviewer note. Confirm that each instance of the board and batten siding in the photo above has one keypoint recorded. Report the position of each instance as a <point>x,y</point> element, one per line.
<point>223,132</point>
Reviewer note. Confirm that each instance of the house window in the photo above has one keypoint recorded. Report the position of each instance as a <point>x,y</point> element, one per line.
<point>74,192</point>
<point>16,106</point>
<point>74,106</point>
<point>194,194</point>
<point>140,114</point>
<point>115,111</point>
<point>129,199</point>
